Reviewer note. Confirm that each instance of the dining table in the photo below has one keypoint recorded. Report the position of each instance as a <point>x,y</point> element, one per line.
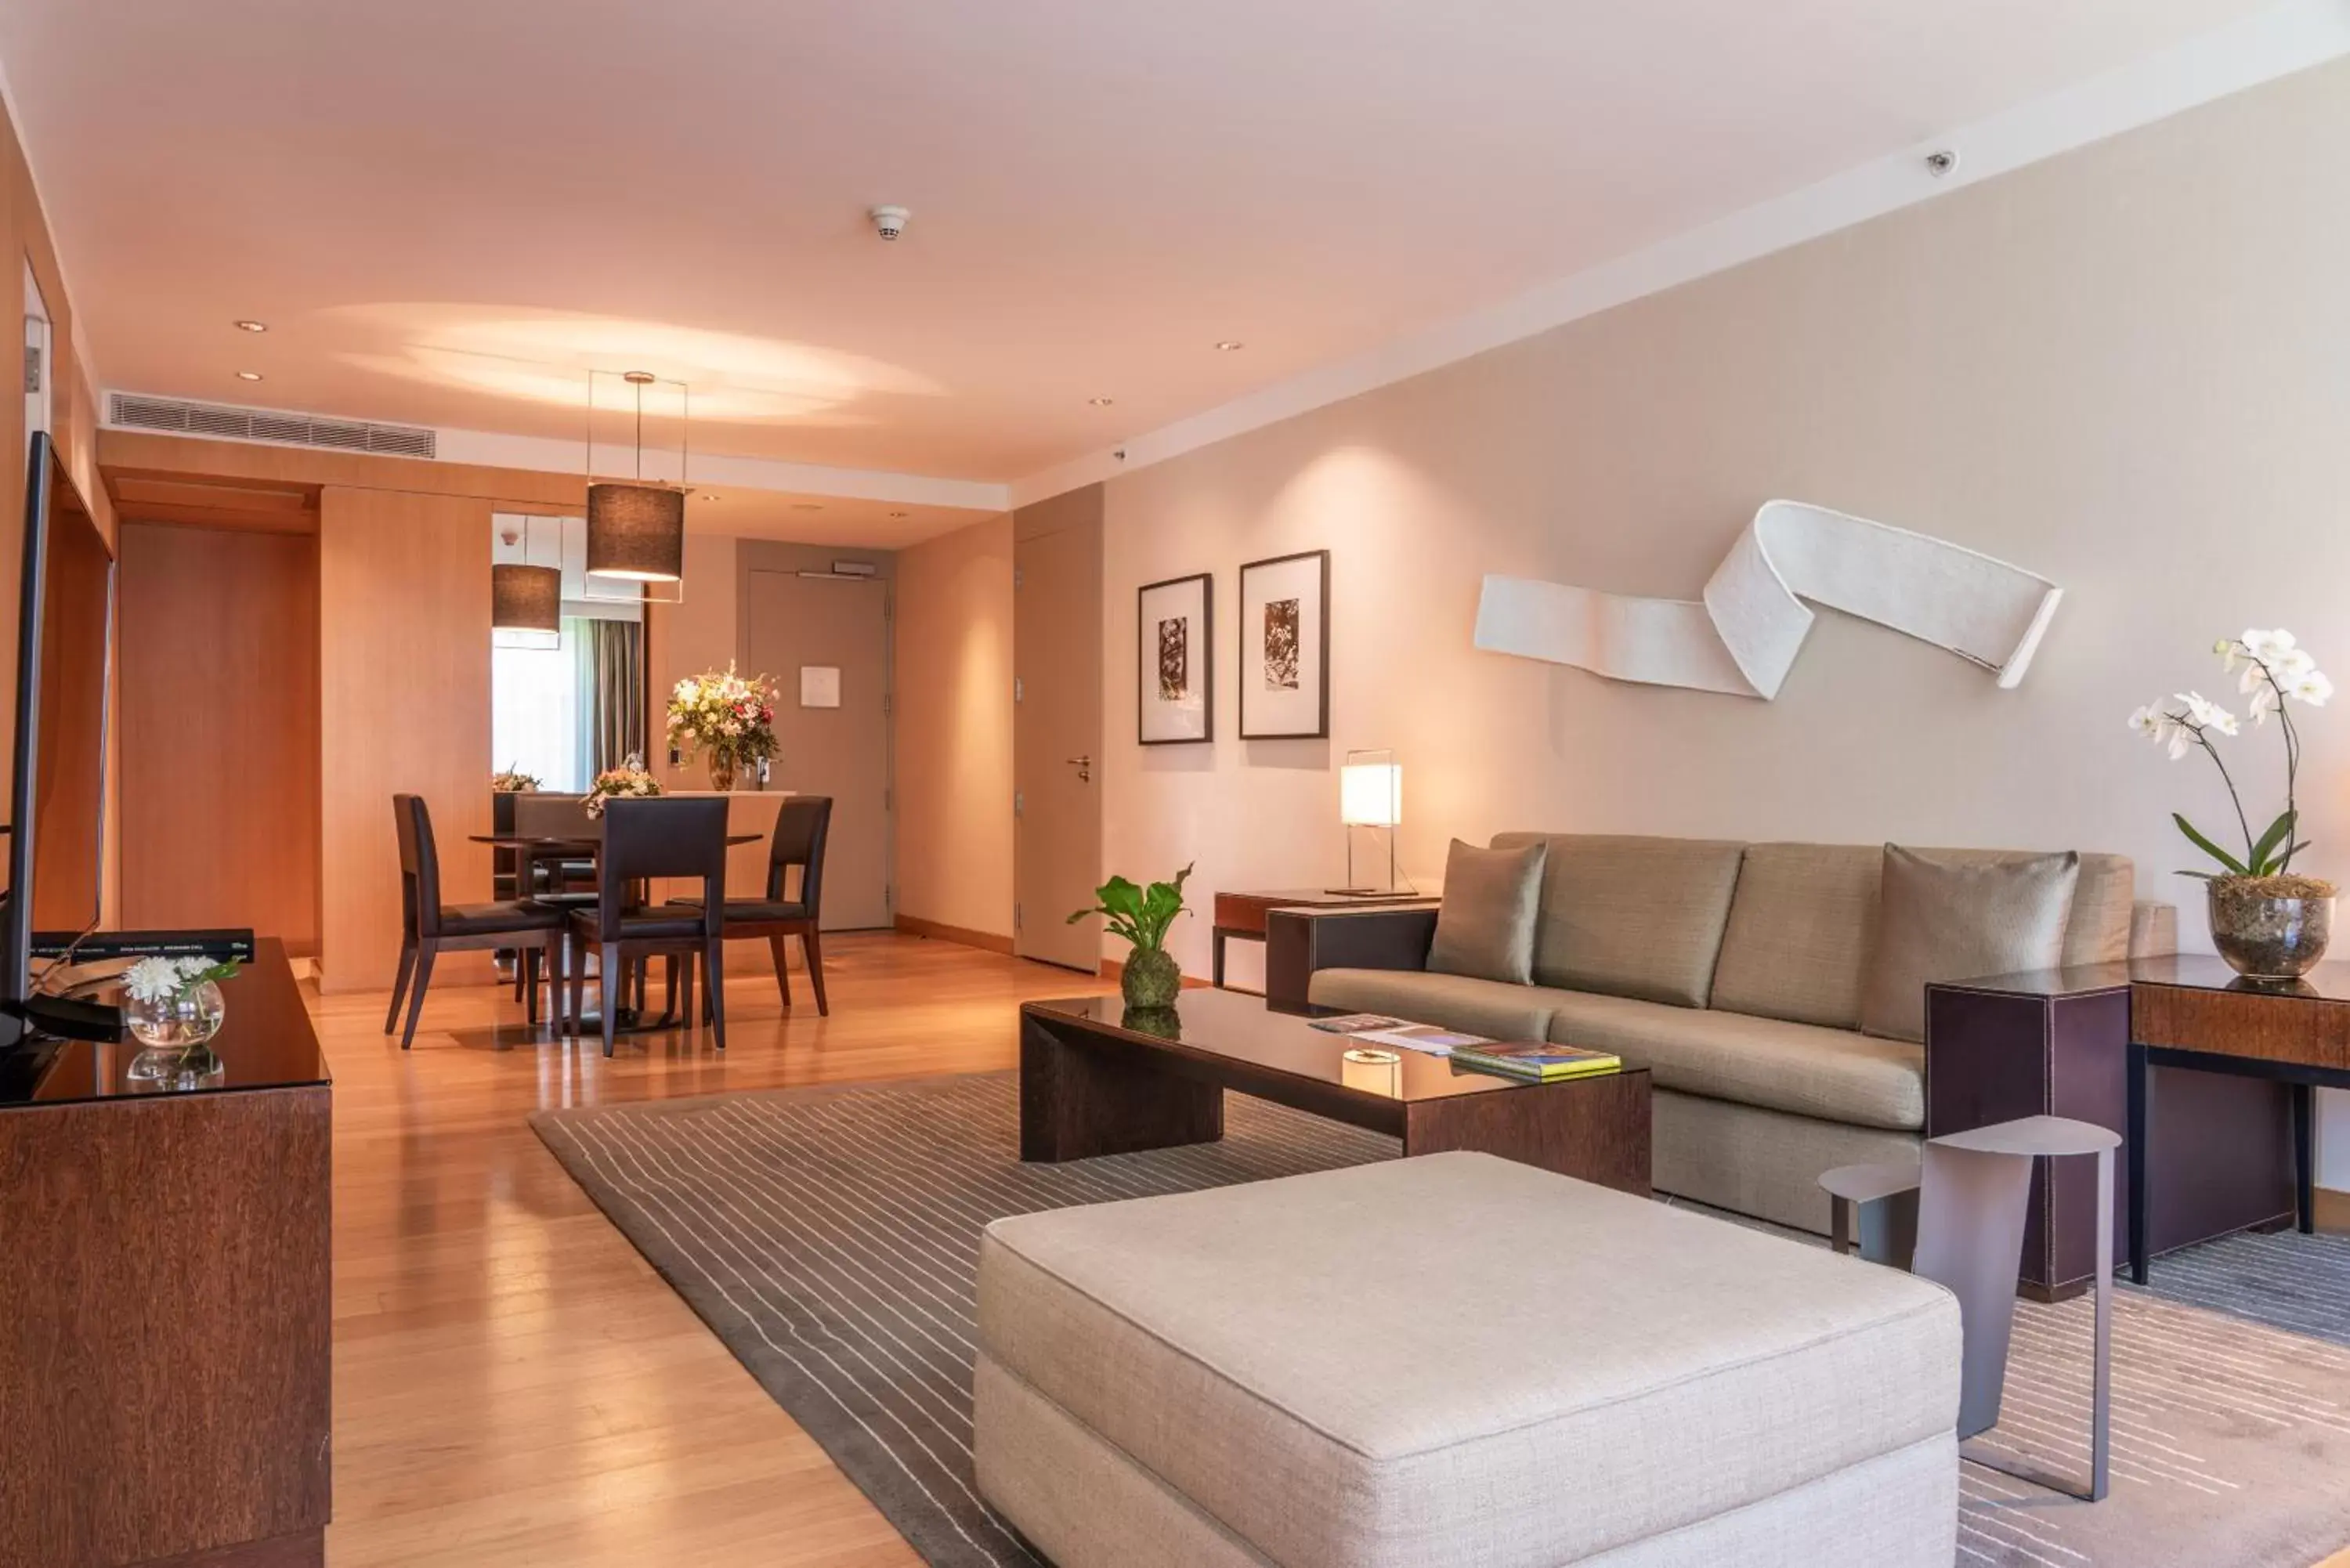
<point>530,848</point>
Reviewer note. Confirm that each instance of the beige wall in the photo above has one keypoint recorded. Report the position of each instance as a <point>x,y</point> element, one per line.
<point>687,639</point>
<point>953,652</point>
<point>2128,369</point>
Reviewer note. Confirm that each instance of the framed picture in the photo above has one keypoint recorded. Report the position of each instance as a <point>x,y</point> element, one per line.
<point>1286,647</point>
<point>1175,663</point>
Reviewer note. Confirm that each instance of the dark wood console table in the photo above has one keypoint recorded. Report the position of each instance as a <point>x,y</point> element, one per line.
<point>2208,1145</point>
<point>1242,915</point>
<point>164,1364</point>
<point>2194,1013</point>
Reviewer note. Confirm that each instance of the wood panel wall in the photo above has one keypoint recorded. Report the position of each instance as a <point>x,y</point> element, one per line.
<point>73,416</point>
<point>404,685</point>
<point>219,653</point>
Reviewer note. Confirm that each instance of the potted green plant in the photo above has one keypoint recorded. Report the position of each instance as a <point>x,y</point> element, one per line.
<point>1142,915</point>
<point>2267,920</point>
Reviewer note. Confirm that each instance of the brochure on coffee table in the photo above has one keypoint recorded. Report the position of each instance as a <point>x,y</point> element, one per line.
<point>1425,1037</point>
<point>1356,1022</point>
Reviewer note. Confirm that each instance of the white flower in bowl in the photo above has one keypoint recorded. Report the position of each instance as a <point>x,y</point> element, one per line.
<point>157,979</point>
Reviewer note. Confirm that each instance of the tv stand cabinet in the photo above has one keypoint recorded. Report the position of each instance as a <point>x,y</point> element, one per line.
<point>163,1363</point>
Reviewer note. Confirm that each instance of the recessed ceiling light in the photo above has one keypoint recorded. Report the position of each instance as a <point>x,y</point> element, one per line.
<point>248,375</point>
<point>1101,403</point>
<point>251,326</point>
<point>896,514</point>
<point>1229,345</point>
<point>805,506</point>
<point>710,496</point>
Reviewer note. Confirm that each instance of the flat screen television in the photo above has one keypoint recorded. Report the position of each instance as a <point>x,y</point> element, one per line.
<point>57,785</point>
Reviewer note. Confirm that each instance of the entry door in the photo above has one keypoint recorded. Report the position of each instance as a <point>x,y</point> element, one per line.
<point>1057,640</point>
<point>828,624</point>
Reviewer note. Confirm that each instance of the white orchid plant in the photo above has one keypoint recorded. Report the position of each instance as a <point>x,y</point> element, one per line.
<point>2273,673</point>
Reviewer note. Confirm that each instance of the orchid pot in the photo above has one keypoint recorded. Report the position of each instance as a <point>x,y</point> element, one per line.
<point>2268,921</point>
<point>2270,928</point>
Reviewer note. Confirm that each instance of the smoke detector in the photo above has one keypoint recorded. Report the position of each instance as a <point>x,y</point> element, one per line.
<point>889,221</point>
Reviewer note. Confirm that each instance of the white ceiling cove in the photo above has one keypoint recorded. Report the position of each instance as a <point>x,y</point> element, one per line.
<point>448,212</point>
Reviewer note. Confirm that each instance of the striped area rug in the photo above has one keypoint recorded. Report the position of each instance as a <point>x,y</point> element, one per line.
<point>828,1237</point>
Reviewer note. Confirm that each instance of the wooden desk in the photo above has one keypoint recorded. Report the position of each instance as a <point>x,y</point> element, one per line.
<point>1242,914</point>
<point>165,1291</point>
<point>2193,1011</point>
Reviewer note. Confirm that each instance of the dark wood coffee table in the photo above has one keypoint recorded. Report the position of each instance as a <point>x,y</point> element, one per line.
<point>1096,1079</point>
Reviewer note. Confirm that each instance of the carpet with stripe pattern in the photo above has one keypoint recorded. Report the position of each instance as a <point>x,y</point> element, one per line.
<point>828,1237</point>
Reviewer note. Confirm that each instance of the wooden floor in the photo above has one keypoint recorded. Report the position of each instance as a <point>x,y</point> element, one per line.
<point>512,1383</point>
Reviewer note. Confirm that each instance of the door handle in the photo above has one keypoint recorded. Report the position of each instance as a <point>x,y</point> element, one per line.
<point>1084,766</point>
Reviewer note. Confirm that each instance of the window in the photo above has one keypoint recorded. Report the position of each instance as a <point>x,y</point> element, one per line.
<point>535,712</point>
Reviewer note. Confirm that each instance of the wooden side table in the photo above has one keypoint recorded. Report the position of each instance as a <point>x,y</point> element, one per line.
<point>1242,914</point>
<point>2216,1158</point>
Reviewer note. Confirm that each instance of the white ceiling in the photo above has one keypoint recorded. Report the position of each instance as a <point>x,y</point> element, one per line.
<point>447,210</point>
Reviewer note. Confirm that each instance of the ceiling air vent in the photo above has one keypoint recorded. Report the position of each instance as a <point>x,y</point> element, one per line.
<point>180,417</point>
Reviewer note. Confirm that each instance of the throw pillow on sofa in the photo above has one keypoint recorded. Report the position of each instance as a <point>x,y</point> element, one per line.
<point>1943,920</point>
<point>1485,927</point>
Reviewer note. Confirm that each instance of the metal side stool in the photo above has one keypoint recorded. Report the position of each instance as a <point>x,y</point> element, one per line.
<point>1958,1219</point>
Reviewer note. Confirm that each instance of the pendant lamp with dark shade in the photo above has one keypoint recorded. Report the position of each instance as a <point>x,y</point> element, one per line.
<point>526,601</point>
<point>636,531</point>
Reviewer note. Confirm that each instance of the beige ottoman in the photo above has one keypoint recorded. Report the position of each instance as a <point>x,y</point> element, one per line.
<point>1457,1362</point>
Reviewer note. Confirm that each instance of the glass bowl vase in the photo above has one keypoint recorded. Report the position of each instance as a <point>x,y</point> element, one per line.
<point>171,1027</point>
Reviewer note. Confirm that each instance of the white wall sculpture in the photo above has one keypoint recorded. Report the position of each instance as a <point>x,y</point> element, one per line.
<point>1743,635</point>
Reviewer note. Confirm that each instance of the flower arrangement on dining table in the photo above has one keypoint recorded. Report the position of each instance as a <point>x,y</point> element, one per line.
<point>629,781</point>
<point>727,718</point>
<point>513,781</point>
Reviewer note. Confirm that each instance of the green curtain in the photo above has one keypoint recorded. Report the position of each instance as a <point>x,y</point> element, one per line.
<point>610,657</point>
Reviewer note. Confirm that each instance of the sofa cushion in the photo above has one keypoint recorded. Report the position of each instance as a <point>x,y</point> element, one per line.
<point>1489,1007</point>
<point>1458,1359</point>
<point>1838,1074</point>
<point>1797,942</point>
<point>1485,926</point>
<point>1631,917</point>
<point>1942,917</point>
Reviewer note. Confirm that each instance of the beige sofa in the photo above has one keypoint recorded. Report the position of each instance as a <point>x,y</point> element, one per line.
<point>1734,973</point>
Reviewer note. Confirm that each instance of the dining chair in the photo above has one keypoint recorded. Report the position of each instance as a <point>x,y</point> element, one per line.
<point>644,839</point>
<point>543,815</point>
<point>801,828</point>
<point>429,926</point>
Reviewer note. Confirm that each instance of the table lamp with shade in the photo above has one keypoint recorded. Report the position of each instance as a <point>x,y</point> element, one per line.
<point>1370,795</point>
